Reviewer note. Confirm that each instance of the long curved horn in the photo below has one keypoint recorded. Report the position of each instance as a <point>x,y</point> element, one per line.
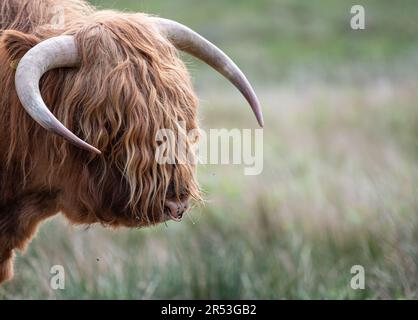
<point>50,54</point>
<point>185,39</point>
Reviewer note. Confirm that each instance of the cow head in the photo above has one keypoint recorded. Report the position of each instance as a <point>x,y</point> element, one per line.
<point>113,81</point>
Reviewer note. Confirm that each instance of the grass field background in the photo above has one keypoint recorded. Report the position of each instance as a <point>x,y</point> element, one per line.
<point>340,180</point>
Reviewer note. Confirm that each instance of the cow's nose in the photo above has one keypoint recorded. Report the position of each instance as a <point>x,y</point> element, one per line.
<point>176,209</point>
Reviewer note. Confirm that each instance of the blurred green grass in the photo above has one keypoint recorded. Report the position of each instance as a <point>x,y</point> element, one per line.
<point>273,39</point>
<point>340,180</point>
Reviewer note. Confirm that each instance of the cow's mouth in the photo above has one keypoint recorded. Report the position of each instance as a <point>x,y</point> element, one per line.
<point>173,217</point>
<point>175,210</point>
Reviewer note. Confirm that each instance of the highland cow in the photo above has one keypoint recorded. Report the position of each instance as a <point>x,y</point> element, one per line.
<point>113,80</point>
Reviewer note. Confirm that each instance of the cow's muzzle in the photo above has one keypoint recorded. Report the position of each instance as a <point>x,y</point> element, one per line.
<point>176,209</point>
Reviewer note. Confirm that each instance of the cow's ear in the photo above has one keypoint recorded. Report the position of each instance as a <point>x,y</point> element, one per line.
<point>16,43</point>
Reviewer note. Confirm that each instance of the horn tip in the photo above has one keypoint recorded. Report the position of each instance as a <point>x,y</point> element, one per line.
<point>95,150</point>
<point>98,152</point>
<point>260,120</point>
<point>255,105</point>
<point>83,145</point>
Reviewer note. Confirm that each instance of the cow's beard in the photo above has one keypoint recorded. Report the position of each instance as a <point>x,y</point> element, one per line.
<point>110,204</point>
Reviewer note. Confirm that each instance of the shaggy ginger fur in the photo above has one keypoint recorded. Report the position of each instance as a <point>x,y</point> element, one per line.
<point>131,84</point>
